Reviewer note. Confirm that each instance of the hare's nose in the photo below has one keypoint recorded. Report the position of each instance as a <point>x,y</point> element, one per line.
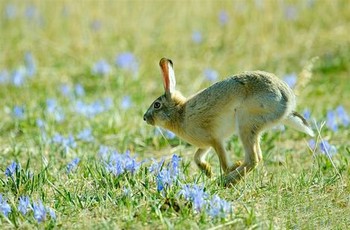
<point>145,117</point>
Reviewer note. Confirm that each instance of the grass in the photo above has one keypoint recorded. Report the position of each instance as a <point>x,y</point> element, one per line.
<point>44,112</point>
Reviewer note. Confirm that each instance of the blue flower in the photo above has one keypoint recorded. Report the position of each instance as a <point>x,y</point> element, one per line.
<point>194,194</point>
<point>127,61</point>
<point>166,176</point>
<point>197,37</point>
<point>223,17</point>
<point>96,25</point>
<point>92,109</point>
<point>12,169</point>
<point>18,112</point>
<point>40,123</point>
<point>72,165</point>
<point>10,11</point>
<point>291,13</point>
<point>4,77</point>
<point>30,12</point>
<point>85,135</point>
<point>55,110</point>
<point>156,166</point>
<point>24,204</point>
<point>5,208</point>
<point>126,102</point>
<point>307,114</point>
<point>332,120</point>
<point>65,142</point>
<point>18,77</point>
<point>210,74</point>
<point>312,144</point>
<point>327,149</point>
<point>290,79</point>
<point>101,68</point>
<point>218,208</point>
<point>30,64</point>
<point>39,211</point>
<point>79,90</point>
<point>175,161</point>
<point>51,213</point>
<point>342,116</point>
<point>65,90</point>
<point>118,164</point>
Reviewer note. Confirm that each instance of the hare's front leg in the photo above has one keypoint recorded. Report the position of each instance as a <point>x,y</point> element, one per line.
<point>199,158</point>
<point>249,136</point>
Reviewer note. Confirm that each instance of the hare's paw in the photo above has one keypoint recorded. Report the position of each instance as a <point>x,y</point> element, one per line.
<point>234,167</point>
<point>232,178</point>
<point>206,169</point>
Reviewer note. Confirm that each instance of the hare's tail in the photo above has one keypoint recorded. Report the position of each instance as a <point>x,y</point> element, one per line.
<point>298,122</point>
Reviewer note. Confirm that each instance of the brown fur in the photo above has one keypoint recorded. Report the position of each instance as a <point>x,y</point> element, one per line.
<point>247,103</point>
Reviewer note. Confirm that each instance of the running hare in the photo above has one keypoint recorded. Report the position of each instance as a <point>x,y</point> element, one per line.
<point>247,103</point>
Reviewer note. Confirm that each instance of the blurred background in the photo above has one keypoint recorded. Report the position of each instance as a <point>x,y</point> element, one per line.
<point>109,50</point>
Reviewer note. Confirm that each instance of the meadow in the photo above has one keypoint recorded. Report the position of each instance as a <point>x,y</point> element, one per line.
<point>77,76</point>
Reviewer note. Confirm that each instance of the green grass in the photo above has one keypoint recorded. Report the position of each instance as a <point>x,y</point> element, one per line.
<point>294,187</point>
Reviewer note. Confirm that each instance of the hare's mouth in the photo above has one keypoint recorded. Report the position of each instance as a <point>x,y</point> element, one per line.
<point>148,119</point>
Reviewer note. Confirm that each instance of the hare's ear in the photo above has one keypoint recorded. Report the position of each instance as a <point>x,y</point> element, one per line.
<point>166,66</point>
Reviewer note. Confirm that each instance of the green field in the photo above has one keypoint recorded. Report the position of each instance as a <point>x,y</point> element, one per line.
<point>77,76</point>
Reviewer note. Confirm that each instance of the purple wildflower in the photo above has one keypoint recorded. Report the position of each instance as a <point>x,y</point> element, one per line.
<point>5,208</point>
<point>18,77</point>
<point>168,175</point>
<point>291,13</point>
<point>127,61</point>
<point>53,109</point>
<point>4,77</point>
<point>223,17</point>
<point>39,211</point>
<point>30,64</point>
<point>30,12</point>
<point>72,165</point>
<point>121,163</point>
<point>327,149</point>
<point>65,142</point>
<point>51,213</point>
<point>156,166</point>
<point>331,120</point>
<point>12,169</point>
<point>85,135</point>
<point>101,68</point>
<point>290,79</point>
<point>210,74</point>
<point>96,25</point>
<point>24,204</point>
<point>10,11</point>
<point>197,37</point>
<point>40,123</point>
<point>92,109</point>
<point>18,112</point>
<point>126,102</point>
<point>195,194</point>
<point>218,208</point>
<point>312,144</point>
<point>307,114</point>
<point>343,117</point>
<point>79,90</point>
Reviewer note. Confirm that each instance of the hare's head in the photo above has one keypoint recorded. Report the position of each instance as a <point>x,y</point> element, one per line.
<point>165,111</point>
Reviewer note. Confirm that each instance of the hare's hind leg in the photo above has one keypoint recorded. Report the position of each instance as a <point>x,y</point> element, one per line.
<point>199,158</point>
<point>249,135</point>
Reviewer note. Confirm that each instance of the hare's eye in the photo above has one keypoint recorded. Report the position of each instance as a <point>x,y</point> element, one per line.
<point>156,105</point>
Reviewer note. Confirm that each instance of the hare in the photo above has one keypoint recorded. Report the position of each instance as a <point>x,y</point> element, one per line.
<point>246,104</point>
